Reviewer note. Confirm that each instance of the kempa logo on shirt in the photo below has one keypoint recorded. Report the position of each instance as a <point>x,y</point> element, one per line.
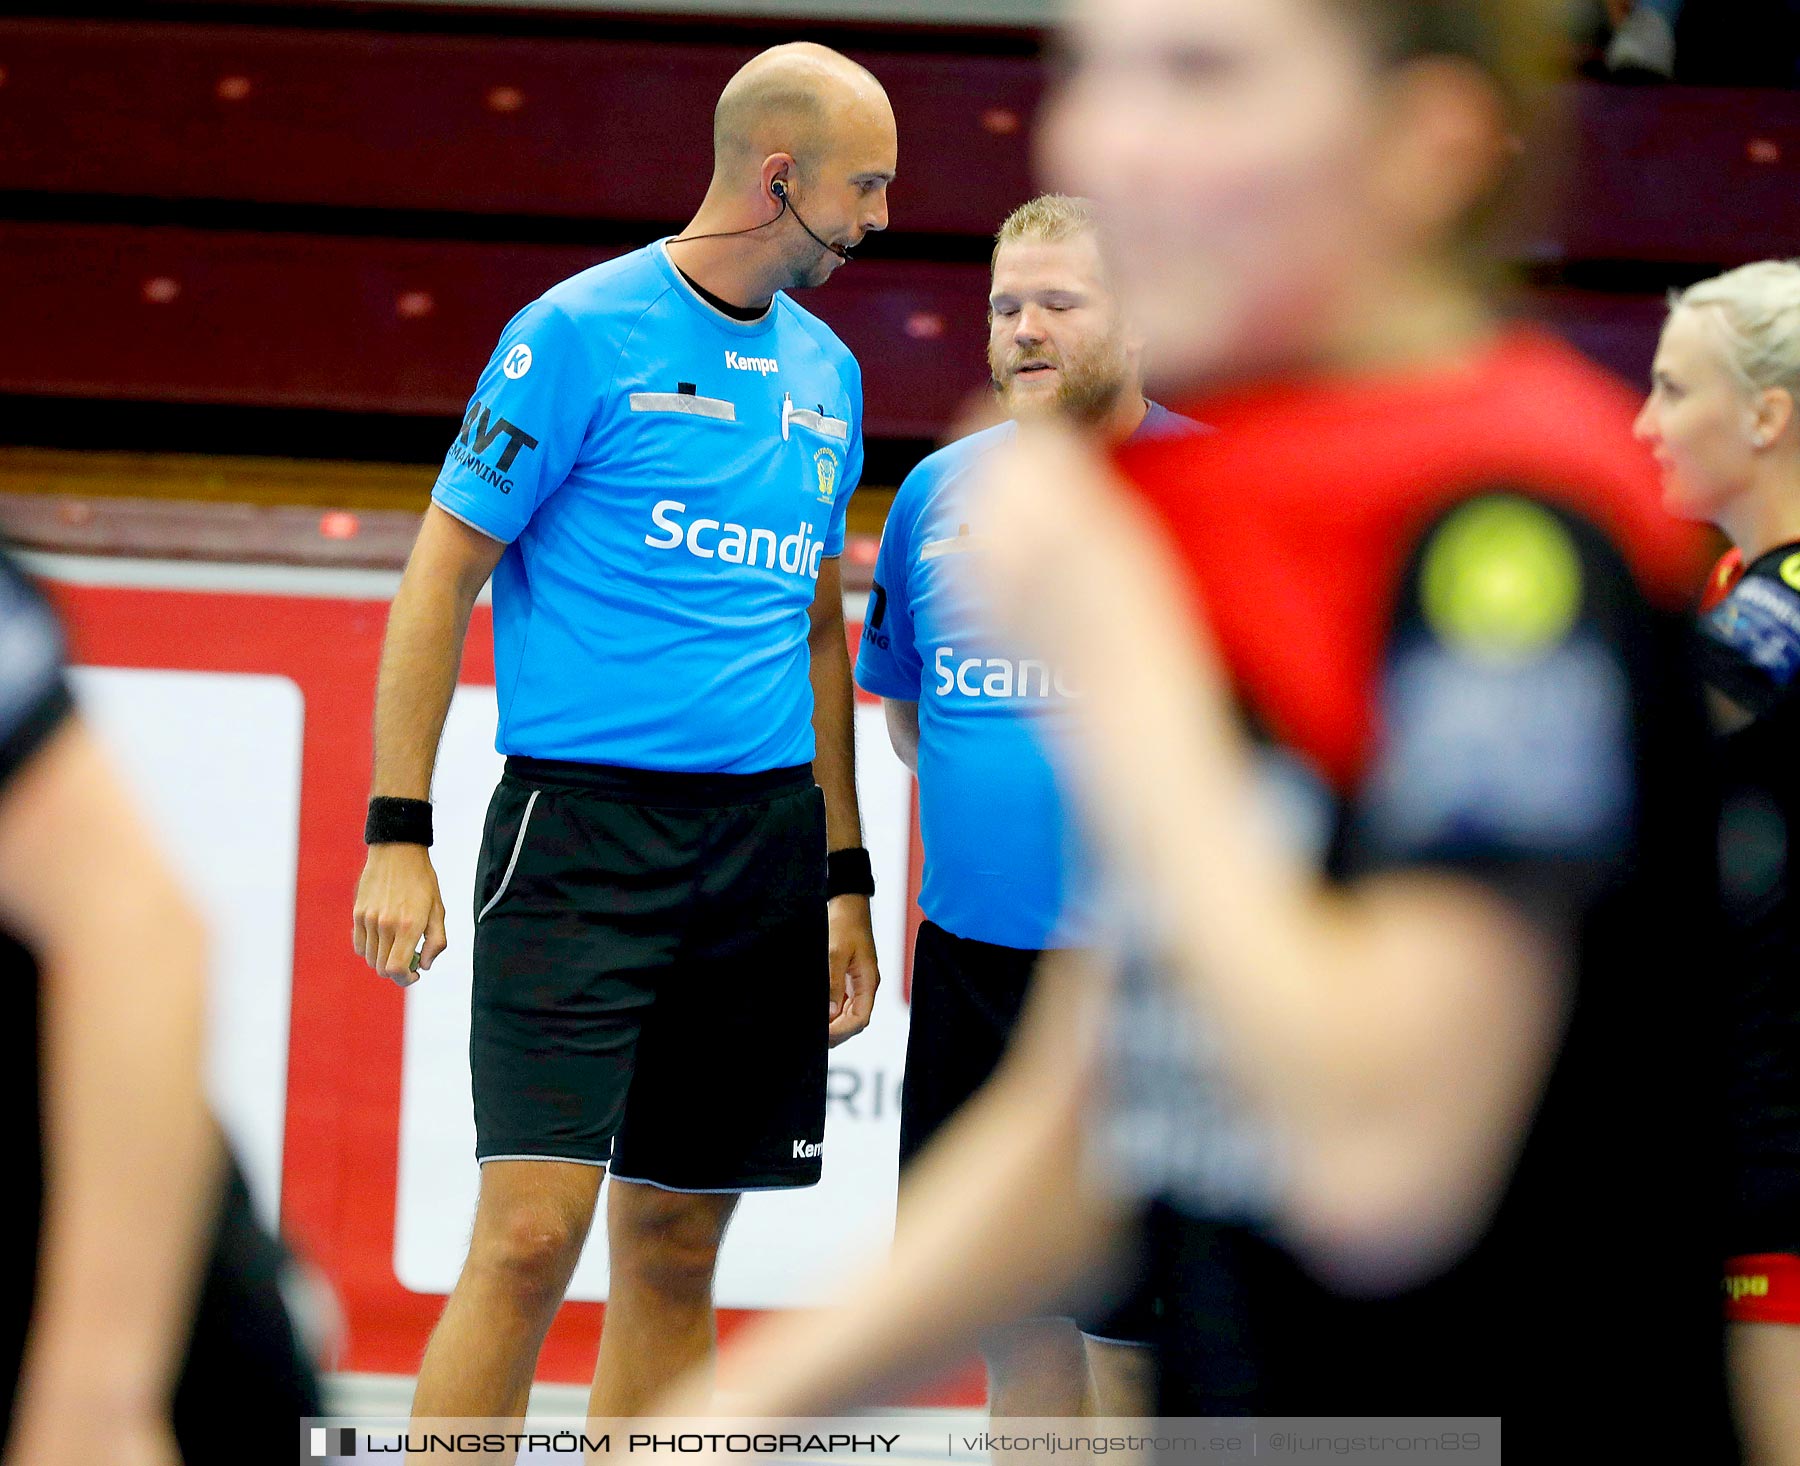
<point>808,1150</point>
<point>763,364</point>
<point>1737,1285</point>
<point>518,361</point>
<point>736,544</point>
<point>997,677</point>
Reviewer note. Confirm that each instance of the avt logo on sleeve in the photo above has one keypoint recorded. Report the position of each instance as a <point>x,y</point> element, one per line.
<point>480,429</point>
<point>736,544</point>
<point>763,364</point>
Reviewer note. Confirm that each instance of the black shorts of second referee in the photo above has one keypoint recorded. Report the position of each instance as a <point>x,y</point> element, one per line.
<point>966,1000</point>
<point>650,969</point>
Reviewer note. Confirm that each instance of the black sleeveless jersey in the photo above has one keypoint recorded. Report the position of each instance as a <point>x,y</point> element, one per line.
<point>1750,656</point>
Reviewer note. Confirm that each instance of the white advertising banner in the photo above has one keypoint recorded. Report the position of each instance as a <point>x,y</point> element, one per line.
<point>237,703</point>
<point>213,759</point>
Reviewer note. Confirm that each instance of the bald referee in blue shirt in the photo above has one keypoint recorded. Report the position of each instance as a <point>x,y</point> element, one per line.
<point>655,470</point>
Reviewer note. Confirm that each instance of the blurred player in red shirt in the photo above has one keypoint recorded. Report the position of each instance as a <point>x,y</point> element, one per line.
<point>1390,745</point>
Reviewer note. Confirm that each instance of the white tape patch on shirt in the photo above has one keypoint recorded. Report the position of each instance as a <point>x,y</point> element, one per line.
<point>830,427</point>
<point>714,407</point>
<point>960,544</point>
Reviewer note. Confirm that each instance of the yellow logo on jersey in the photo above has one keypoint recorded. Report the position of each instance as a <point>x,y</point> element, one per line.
<point>1501,579</point>
<point>826,463</point>
<point>1790,570</point>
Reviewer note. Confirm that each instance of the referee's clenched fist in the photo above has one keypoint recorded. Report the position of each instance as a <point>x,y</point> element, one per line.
<point>397,906</point>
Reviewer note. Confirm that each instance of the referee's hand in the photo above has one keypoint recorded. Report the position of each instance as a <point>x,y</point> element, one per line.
<point>397,903</point>
<point>854,975</point>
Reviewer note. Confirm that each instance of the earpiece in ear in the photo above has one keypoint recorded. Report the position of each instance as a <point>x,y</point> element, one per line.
<point>779,188</point>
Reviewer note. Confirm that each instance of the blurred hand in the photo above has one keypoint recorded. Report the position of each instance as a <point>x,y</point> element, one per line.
<point>1046,504</point>
<point>1080,572</point>
<point>397,903</point>
<point>854,973</point>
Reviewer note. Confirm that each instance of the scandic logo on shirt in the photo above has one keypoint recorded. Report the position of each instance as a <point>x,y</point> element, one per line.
<point>736,544</point>
<point>763,364</point>
<point>997,677</point>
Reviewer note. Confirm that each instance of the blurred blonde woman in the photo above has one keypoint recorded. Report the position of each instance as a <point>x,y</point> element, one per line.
<point>1723,422</point>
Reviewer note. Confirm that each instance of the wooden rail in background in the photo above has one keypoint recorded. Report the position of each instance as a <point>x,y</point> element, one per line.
<point>274,511</point>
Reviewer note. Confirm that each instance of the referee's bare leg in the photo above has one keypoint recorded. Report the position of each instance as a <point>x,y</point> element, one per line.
<point>664,1246</point>
<point>530,1223</point>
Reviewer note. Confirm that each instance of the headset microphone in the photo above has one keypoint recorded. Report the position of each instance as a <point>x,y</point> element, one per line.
<point>777,189</point>
<point>780,190</point>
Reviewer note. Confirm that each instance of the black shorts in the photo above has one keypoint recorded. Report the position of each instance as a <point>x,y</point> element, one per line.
<point>1250,1331</point>
<point>1763,1205</point>
<point>1763,1095</point>
<point>244,1348</point>
<point>966,1001</point>
<point>652,974</point>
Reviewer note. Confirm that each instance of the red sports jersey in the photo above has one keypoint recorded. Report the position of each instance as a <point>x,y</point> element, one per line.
<point>1388,609</point>
<point>1296,517</point>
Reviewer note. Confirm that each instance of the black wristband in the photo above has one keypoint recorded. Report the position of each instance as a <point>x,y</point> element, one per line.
<point>397,821</point>
<point>848,873</point>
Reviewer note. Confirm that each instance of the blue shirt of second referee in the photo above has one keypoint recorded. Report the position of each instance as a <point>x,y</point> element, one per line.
<point>667,481</point>
<point>1002,863</point>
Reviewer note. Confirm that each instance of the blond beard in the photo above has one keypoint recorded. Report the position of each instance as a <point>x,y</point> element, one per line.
<point>1090,388</point>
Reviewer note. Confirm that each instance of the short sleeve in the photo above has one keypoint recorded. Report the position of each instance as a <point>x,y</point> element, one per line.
<point>34,689</point>
<point>888,663</point>
<point>853,465</point>
<point>1516,678</point>
<point>525,426</point>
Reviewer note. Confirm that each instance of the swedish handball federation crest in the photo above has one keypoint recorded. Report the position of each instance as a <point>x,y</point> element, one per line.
<point>825,461</point>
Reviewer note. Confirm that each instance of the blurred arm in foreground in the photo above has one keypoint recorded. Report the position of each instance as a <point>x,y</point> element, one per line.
<point>1001,1222</point>
<point>131,1157</point>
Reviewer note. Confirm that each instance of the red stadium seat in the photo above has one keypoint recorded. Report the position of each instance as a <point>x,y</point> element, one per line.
<point>383,325</point>
<point>573,128</point>
<point>356,133</point>
<point>1682,174</point>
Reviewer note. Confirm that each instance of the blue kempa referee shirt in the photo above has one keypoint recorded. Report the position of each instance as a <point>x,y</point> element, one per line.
<point>666,480</point>
<point>1001,861</point>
